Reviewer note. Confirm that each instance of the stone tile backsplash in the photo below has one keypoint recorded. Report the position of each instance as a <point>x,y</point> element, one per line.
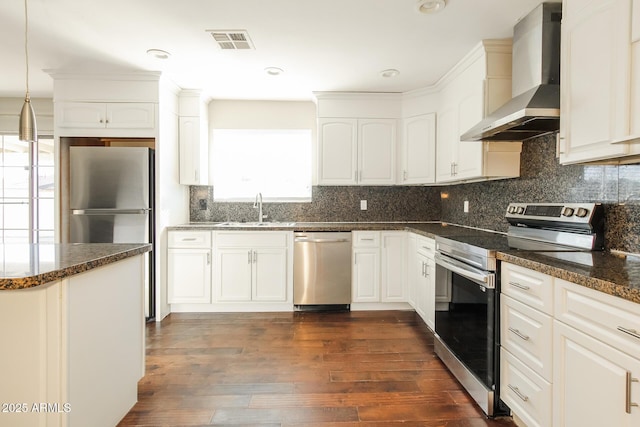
<point>329,204</point>
<point>542,179</point>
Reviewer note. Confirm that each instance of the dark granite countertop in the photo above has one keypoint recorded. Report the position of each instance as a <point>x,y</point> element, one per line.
<point>26,266</point>
<point>428,228</point>
<point>607,272</point>
<point>604,271</point>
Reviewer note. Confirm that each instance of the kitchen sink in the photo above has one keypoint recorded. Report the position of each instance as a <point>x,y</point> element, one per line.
<point>255,224</point>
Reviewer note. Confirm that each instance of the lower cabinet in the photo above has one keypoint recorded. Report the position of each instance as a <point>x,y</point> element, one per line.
<point>379,267</point>
<point>423,271</point>
<point>223,270</point>
<point>570,354</point>
<point>189,267</point>
<point>251,266</point>
<point>251,274</point>
<point>594,384</point>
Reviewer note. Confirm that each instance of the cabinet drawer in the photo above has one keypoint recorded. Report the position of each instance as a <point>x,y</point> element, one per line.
<point>426,246</point>
<point>260,239</point>
<point>527,394</point>
<point>366,239</point>
<point>605,317</point>
<point>189,239</point>
<point>527,286</point>
<point>527,334</point>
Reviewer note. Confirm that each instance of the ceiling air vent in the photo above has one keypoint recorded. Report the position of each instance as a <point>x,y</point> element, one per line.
<point>232,39</point>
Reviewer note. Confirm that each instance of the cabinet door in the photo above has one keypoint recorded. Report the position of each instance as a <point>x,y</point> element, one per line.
<point>366,275</point>
<point>337,151</point>
<point>131,115</point>
<point>592,382</point>
<point>193,153</point>
<point>430,297</point>
<point>418,150</point>
<point>595,78</point>
<point>233,273</point>
<point>80,114</point>
<point>446,144</point>
<point>420,266</point>
<point>412,271</point>
<point>270,274</point>
<point>393,269</point>
<point>189,275</point>
<point>376,151</point>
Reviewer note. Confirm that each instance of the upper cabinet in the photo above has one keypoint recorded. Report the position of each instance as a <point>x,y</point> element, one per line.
<point>357,139</point>
<point>418,148</point>
<point>600,94</point>
<point>479,84</point>
<point>105,115</point>
<point>193,138</point>
<point>93,105</point>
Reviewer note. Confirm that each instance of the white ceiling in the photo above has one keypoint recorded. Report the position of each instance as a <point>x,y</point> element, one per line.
<point>322,45</point>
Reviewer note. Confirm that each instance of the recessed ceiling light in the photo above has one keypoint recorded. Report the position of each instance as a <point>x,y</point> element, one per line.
<point>158,53</point>
<point>431,6</point>
<point>391,72</point>
<point>273,71</point>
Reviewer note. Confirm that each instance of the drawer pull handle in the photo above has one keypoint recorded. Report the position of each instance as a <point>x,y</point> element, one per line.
<point>628,403</point>
<point>249,257</point>
<point>188,239</point>
<point>519,286</point>
<point>367,240</point>
<point>631,332</point>
<point>520,334</point>
<point>517,391</point>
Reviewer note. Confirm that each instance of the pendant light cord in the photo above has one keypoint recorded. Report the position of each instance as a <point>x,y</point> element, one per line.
<point>26,43</point>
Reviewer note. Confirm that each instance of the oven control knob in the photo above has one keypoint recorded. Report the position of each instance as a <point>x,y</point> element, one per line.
<point>567,211</point>
<point>512,209</point>
<point>520,210</point>
<point>582,212</point>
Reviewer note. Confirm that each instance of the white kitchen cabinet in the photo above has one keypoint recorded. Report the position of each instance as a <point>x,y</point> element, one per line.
<point>366,275</point>
<point>379,266</point>
<point>479,84</point>
<point>110,115</point>
<point>418,150</point>
<point>423,272</point>
<point>189,267</point>
<point>597,81</point>
<point>594,383</point>
<point>356,151</point>
<point>413,276</point>
<point>393,266</point>
<point>251,266</point>
<point>193,139</point>
<point>526,331</point>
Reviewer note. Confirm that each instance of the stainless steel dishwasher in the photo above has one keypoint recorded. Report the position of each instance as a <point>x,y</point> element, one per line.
<point>322,269</point>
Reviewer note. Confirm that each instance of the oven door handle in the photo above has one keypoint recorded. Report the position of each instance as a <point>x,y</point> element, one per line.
<point>484,279</point>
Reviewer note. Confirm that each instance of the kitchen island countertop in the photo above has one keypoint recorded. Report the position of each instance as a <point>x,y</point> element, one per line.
<point>25,266</point>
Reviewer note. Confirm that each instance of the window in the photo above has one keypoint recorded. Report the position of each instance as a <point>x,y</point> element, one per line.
<point>26,191</point>
<point>276,163</point>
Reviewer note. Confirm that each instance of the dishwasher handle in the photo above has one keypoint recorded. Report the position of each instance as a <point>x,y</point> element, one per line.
<point>307,240</point>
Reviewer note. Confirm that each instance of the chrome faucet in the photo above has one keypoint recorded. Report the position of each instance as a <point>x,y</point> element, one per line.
<point>258,204</point>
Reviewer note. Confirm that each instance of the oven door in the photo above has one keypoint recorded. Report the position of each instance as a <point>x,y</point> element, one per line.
<point>466,323</point>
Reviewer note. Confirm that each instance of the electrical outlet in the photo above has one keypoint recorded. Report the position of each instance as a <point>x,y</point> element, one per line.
<point>203,204</point>
<point>466,206</point>
<point>363,205</point>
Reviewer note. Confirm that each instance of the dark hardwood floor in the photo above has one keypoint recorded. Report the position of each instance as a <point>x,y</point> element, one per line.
<point>299,369</point>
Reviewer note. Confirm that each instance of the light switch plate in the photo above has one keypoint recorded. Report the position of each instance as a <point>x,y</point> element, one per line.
<point>363,205</point>
<point>466,206</point>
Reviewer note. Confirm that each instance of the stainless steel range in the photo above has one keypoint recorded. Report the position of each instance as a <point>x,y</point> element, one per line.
<point>467,326</point>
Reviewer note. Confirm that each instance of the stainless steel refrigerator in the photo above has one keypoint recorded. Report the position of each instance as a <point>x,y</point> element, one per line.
<point>111,200</point>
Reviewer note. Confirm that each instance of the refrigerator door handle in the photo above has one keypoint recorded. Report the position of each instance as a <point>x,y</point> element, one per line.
<point>109,211</point>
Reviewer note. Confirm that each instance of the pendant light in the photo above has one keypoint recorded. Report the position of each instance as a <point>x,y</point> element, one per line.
<point>28,131</point>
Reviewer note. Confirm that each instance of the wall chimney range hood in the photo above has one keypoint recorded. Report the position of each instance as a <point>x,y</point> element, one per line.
<point>534,109</point>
